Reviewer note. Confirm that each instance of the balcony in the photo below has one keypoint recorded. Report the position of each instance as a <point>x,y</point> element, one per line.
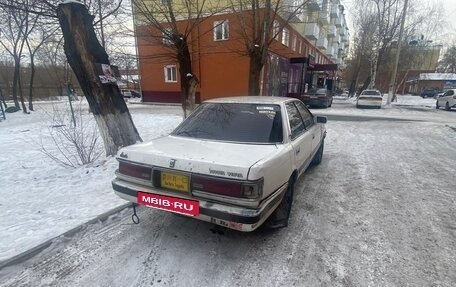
<point>336,39</point>
<point>332,31</point>
<point>344,39</point>
<point>322,43</point>
<point>324,16</point>
<point>343,30</point>
<point>335,11</point>
<point>330,51</point>
<point>338,22</point>
<point>313,5</point>
<point>312,31</point>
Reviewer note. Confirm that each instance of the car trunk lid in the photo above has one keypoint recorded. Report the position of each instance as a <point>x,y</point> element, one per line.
<point>221,159</point>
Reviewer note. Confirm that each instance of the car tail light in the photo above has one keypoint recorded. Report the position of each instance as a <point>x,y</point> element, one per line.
<point>454,97</point>
<point>135,170</point>
<point>228,187</point>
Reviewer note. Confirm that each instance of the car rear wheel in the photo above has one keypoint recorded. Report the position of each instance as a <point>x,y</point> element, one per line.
<point>447,106</point>
<point>437,105</point>
<point>279,218</point>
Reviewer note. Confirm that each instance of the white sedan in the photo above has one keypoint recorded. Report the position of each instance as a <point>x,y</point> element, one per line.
<point>369,99</point>
<point>447,100</point>
<point>232,162</point>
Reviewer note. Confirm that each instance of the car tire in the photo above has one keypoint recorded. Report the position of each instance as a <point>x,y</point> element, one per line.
<point>437,105</point>
<point>447,106</point>
<point>319,155</point>
<point>279,218</point>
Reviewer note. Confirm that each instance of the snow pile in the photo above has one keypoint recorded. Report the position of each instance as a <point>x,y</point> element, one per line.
<point>409,100</point>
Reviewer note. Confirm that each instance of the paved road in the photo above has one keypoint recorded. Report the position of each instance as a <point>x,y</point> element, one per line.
<point>379,211</point>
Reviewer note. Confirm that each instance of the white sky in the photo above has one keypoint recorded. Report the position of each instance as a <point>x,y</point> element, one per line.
<point>447,35</point>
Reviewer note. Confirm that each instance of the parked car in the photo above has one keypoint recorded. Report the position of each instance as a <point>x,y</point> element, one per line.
<point>439,94</point>
<point>317,98</point>
<point>428,93</point>
<point>233,162</point>
<point>447,100</point>
<point>130,93</point>
<point>369,99</point>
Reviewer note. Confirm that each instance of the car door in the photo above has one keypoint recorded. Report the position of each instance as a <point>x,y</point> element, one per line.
<point>301,139</point>
<point>445,98</point>
<point>310,126</point>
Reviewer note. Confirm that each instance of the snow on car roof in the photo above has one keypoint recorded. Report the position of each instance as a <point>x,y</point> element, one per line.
<point>251,100</point>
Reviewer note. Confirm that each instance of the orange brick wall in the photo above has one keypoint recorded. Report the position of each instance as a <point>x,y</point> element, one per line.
<point>221,66</point>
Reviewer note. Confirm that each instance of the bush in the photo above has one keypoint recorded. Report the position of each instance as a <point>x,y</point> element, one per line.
<point>74,143</point>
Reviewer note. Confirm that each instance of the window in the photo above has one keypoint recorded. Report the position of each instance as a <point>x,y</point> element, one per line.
<point>296,124</point>
<point>166,2</point>
<point>286,37</point>
<point>300,47</point>
<point>170,74</point>
<point>276,30</point>
<point>234,122</point>
<point>167,32</point>
<point>305,115</point>
<point>221,30</point>
<point>294,42</point>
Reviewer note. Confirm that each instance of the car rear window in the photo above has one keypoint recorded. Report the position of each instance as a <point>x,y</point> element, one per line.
<point>370,93</point>
<point>250,123</point>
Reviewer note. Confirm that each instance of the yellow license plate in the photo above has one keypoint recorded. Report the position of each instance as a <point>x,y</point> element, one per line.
<point>174,181</point>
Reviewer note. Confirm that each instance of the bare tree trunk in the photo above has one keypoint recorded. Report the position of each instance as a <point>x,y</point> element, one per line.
<point>254,75</point>
<point>185,70</point>
<point>192,91</point>
<point>2,98</point>
<point>32,78</point>
<point>15,82</point>
<point>21,94</point>
<point>84,52</point>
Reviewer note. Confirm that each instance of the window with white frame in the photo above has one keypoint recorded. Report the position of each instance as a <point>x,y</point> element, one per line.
<point>167,32</point>
<point>286,37</point>
<point>276,30</point>
<point>221,30</point>
<point>294,42</point>
<point>170,74</point>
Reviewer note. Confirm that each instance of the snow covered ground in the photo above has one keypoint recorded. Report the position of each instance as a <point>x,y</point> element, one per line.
<point>40,199</point>
<point>380,210</point>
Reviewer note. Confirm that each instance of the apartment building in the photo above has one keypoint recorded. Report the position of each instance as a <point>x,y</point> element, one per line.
<point>308,51</point>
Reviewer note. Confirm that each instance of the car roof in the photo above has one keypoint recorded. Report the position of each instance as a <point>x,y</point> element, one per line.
<point>251,100</point>
<point>370,90</point>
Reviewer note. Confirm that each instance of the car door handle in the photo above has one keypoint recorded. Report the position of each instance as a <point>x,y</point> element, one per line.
<point>313,136</point>
<point>298,150</point>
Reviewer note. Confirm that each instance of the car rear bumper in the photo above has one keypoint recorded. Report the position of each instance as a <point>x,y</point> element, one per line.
<point>315,102</point>
<point>369,103</point>
<point>227,215</point>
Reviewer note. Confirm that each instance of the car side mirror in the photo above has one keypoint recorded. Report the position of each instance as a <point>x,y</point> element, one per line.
<point>322,120</point>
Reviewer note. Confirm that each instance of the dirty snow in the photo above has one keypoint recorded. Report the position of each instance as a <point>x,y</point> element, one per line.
<point>378,211</point>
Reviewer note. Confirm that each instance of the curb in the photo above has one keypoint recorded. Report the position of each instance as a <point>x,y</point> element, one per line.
<point>21,257</point>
